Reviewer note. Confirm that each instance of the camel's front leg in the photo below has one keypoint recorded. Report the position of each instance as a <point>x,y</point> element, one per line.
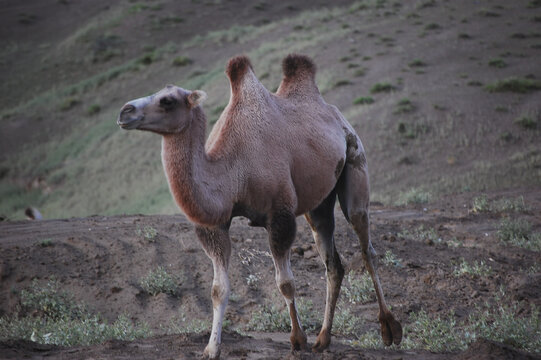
<point>218,247</point>
<point>281,234</point>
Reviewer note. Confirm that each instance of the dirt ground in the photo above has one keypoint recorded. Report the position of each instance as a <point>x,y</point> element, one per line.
<point>101,259</point>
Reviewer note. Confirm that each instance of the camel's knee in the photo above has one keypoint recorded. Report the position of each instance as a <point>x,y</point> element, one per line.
<point>219,294</point>
<point>287,289</point>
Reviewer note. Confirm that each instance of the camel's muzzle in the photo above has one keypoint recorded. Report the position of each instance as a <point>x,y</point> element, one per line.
<point>128,118</point>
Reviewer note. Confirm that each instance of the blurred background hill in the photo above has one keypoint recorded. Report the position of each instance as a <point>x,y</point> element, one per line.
<point>445,95</point>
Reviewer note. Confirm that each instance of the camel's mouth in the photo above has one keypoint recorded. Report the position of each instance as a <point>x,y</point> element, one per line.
<point>129,124</point>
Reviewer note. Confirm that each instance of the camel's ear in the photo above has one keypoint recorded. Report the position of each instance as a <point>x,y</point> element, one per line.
<point>196,98</point>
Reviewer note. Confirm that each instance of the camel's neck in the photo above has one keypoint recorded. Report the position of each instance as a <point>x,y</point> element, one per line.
<point>201,187</point>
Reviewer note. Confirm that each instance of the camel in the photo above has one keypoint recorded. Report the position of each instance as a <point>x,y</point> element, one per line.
<point>270,158</point>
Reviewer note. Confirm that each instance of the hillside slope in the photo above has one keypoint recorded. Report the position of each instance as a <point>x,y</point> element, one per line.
<point>441,120</point>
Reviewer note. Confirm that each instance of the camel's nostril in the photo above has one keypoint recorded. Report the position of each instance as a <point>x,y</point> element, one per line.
<point>127,109</point>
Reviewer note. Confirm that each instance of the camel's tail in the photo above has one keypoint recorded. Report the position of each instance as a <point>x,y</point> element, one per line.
<point>299,76</point>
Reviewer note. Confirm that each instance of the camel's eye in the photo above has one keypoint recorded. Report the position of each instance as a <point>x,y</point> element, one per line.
<point>167,102</point>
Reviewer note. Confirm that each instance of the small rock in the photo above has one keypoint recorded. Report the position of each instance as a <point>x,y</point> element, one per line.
<point>297,250</point>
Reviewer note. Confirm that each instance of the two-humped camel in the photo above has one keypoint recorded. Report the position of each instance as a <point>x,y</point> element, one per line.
<point>270,158</point>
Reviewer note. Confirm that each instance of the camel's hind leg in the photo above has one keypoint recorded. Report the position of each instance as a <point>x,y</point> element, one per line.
<point>321,221</point>
<point>353,195</point>
<point>217,245</point>
<point>282,228</point>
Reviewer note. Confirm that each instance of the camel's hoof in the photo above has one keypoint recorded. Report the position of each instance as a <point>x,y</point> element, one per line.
<point>298,341</point>
<point>212,352</point>
<point>391,330</point>
<point>322,342</point>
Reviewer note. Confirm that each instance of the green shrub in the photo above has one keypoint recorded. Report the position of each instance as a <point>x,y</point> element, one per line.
<point>148,232</point>
<point>69,103</point>
<point>413,196</point>
<point>359,288</point>
<point>49,316</point>
<point>498,63</point>
<point>182,61</point>
<point>526,122</point>
<point>518,233</point>
<point>93,109</point>
<point>270,318</point>
<point>474,269</point>
<point>404,106</point>
<point>159,281</point>
<point>363,100</point>
<point>382,87</point>
<point>417,63</point>
<point>513,84</point>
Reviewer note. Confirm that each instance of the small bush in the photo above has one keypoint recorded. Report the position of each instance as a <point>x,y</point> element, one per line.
<point>270,318</point>
<point>342,83</point>
<point>413,196</point>
<point>517,85</point>
<point>359,289</point>
<point>182,324</point>
<point>421,233</point>
<point>404,106</point>
<point>382,87</point>
<point>48,316</point>
<point>159,281</point>
<point>69,103</point>
<point>498,63</point>
<point>345,323</point>
<point>148,232</point>
<point>181,61</point>
<point>93,109</point>
<point>526,122</point>
<point>363,100</point>
<point>390,259</point>
<point>360,72</point>
<point>417,63</point>
<point>432,26</point>
<point>482,204</point>
<point>518,233</point>
<point>474,269</point>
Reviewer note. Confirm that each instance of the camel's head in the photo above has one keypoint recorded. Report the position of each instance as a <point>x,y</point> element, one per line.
<point>168,111</point>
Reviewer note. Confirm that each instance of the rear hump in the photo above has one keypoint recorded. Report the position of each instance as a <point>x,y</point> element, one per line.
<point>299,77</point>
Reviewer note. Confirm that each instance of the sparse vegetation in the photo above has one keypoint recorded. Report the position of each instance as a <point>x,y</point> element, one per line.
<point>273,318</point>
<point>148,232</point>
<point>93,109</point>
<point>159,281</point>
<point>46,243</point>
<point>482,204</point>
<point>421,233</point>
<point>382,87</point>
<point>342,83</point>
<point>413,196</point>
<point>417,63</point>
<point>182,61</point>
<point>518,232</point>
<point>526,122</point>
<point>182,323</point>
<point>514,84</point>
<point>498,63</point>
<point>403,106</point>
<point>390,259</point>
<point>51,316</point>
<point>358,288</point>
<point>69,103</point>
<point>474,269</point>
<point>363,100</point>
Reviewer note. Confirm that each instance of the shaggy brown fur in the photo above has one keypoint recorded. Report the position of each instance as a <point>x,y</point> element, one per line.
<point>270,158</point>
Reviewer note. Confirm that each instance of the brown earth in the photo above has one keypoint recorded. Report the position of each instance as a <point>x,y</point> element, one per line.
<point>101,259</point>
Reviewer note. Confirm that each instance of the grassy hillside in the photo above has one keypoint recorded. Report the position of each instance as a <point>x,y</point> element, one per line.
<point>444,94</point>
